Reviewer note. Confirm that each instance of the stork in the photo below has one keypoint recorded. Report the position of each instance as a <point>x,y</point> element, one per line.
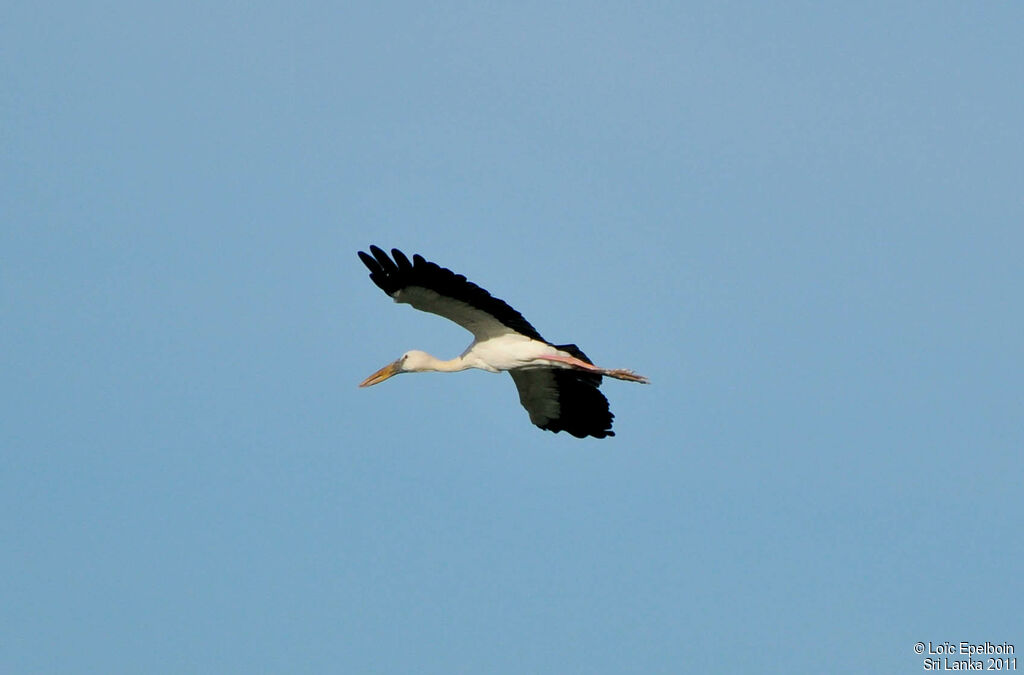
<point>558,384</point>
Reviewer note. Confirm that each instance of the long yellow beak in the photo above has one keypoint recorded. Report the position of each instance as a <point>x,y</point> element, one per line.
<point>384,373</point>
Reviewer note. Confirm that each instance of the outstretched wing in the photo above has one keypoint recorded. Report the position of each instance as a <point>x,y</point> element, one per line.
<point>431,288</point>
<point>559,399</point>
<point>564,400</point>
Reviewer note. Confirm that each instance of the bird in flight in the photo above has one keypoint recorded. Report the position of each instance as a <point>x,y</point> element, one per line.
<point>558,384</point>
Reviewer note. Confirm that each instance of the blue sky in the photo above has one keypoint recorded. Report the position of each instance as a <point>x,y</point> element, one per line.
<point>803,222</point>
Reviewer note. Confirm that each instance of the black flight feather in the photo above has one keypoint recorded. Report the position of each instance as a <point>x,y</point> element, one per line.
<point>392,276</point>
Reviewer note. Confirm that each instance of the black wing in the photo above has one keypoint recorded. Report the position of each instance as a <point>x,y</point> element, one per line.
<point>565,400</point>
<point>431,288</point>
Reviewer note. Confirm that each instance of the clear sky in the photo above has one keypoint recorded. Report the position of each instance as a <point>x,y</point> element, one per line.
<point>804,221</point>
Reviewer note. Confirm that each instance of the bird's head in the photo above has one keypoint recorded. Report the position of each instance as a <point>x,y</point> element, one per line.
<point>409,362</point>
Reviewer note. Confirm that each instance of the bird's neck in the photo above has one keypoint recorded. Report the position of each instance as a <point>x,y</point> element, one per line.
<point>450,366</point>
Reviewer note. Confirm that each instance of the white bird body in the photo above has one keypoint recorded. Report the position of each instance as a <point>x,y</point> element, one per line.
<point>511,351</point>
<point>557,383</point>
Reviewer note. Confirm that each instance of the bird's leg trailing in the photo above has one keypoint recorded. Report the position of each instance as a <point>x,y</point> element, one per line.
<point>580,364</point>
<point>624,374</point>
